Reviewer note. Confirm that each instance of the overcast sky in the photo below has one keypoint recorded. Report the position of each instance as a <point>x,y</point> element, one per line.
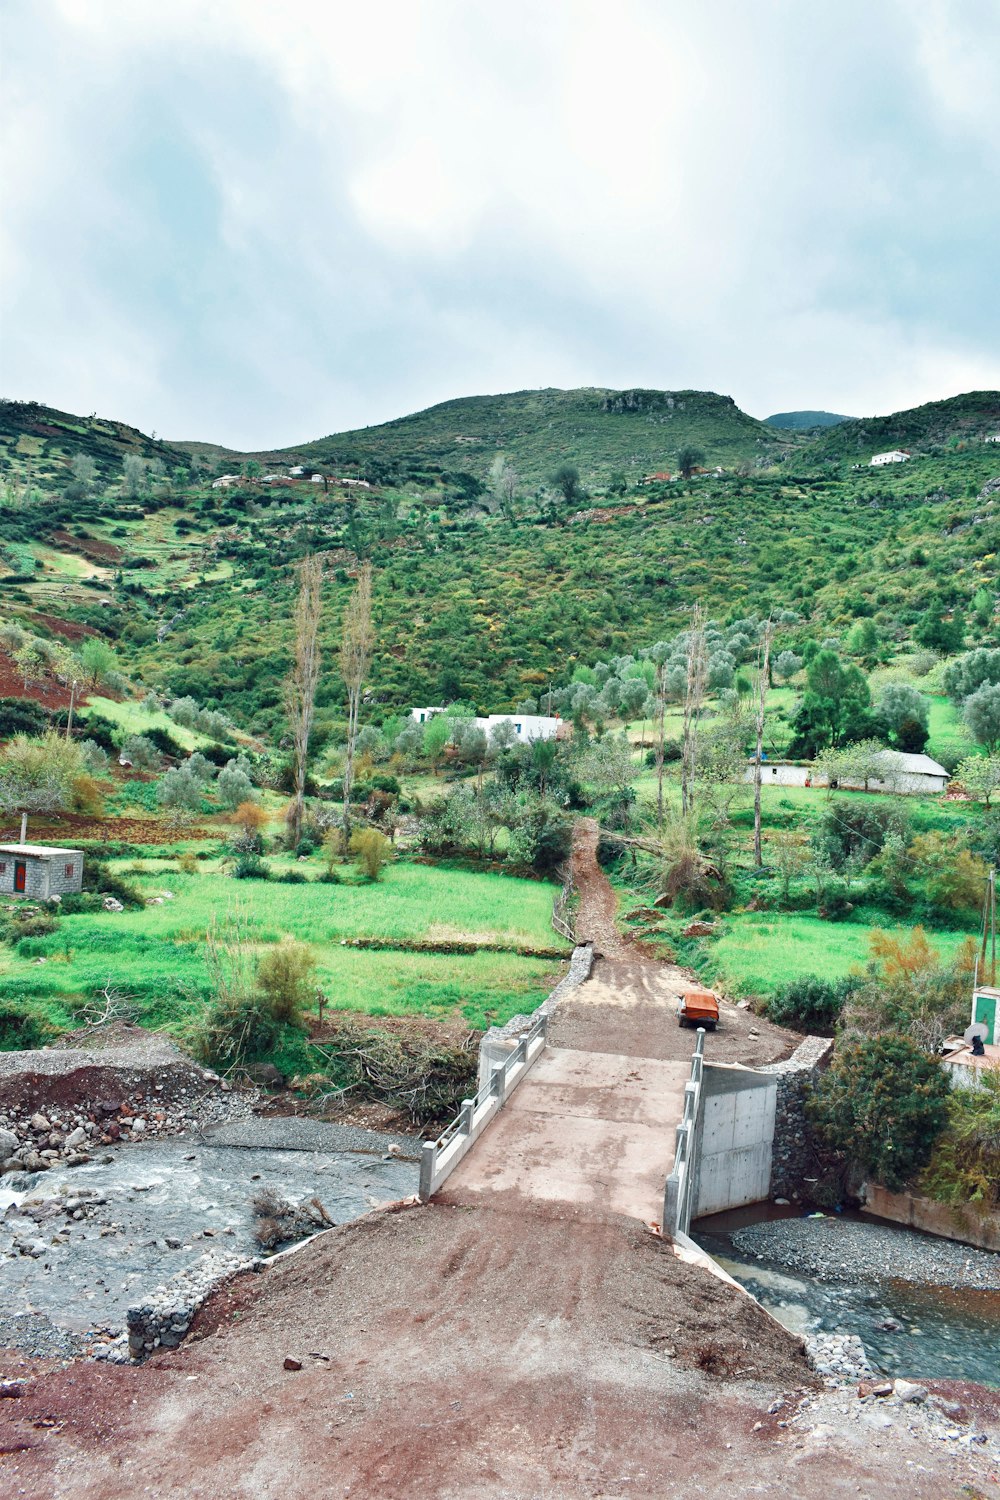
<point>261,221</point>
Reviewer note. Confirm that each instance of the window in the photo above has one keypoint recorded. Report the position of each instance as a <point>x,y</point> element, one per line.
<point>3,867</point>
<point>69,872</point>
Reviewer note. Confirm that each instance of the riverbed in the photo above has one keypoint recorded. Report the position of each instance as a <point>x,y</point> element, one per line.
<point>924,1307</point>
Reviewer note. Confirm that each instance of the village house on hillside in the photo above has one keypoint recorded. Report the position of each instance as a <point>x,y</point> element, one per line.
<point>33,870</point>
<point>526,727</point>
<point>909,774</point>
<point>896,456</point>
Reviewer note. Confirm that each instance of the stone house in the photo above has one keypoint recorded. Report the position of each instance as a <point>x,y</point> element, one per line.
<point>36,872</point>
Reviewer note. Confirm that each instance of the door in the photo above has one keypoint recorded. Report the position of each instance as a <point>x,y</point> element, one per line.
<point>20,874</point>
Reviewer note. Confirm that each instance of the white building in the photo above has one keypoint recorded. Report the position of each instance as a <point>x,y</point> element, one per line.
<point>225,482</point>
<point>993,438</point>
<point>897,456</point>
<point>914,775</point>
<point>527,727</point>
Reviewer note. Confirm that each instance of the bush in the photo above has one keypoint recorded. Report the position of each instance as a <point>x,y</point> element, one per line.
<point>809,1004</point>
<point>21,1028</point>
<point>21,716</point>
<point>98,878</point>
<point>235,1030</point>
<point>373,851</point>
<point>164,742</point>
<point>286,978</point>
<point>251,867</point>
<point>76,902</point>
<point>293,877</point>
<point>882,1104</point>
<point>836,905</point>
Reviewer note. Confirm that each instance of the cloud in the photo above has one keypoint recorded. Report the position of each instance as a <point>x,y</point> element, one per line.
<point>259,223</point>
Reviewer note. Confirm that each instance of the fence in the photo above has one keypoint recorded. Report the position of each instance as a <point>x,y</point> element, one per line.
<point>678,1196</point>
<point>439,1158</point>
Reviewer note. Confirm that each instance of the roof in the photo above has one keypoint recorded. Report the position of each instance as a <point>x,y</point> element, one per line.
<point>919,765</point>
<point>38,851</point>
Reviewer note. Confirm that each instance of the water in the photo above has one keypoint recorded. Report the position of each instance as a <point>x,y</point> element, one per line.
<point>918,1331</point>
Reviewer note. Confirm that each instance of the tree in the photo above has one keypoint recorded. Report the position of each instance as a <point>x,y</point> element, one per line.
<point>618,483</point>
<point>763,678</point>
<point>84,477</point>
<point>179,790</point>
<point>356,642</point>
<point>863,761</point>
<point>567,481</point>
<point>133,475</point>
<point>373,851</point>
<point>834,708</point>
<point>688,459</point>
<point>437,737</point>
<point>786,664</point>
<point>694,697</point>
<point>903,714</point>
<point>38,775</point>
<point>97,659</point>
<point>980,775</point>
<point>882,1103</point>
<point>982,715</point>
<point>973,670</point>
<point>503,737</point>
<point>30,662</point>
<point>234,787</point>
<point>503,486</point>
<point>302,682</point>
<point>939,633</point>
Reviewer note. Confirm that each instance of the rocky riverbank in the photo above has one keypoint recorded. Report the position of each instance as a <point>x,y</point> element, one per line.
<point>833,1249</point>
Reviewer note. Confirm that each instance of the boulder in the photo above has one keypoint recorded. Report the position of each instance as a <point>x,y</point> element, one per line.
<point>8,1144</point>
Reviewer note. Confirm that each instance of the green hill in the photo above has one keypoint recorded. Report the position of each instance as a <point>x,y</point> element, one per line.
<point>923,429</point>
<point>38,445</point>
<point>804,421</point>
<point>600,431</point>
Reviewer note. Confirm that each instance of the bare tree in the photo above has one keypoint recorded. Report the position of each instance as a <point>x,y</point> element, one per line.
<point>762,686</point>
<point>694,698</point>
<point>356,644</point>
<point>302,681</point>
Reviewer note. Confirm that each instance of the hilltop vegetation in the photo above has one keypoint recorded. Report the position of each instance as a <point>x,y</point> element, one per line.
<point>804,421</point>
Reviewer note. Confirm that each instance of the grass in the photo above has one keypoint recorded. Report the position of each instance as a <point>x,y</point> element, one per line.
<point>135,719</point>
<point>155,956</point>
<point>759,952</point>
<point>948,734</point>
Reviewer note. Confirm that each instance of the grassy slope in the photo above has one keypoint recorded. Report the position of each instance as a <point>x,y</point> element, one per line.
<point>966,418</point>
<point>157,955</point>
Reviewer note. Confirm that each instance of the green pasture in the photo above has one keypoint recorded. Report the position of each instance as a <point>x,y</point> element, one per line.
<point>759,952</point>
<point>135,719</point>
<point>156,956</point>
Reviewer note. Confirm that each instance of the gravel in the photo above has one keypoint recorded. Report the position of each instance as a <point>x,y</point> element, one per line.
<point>834,1249</point>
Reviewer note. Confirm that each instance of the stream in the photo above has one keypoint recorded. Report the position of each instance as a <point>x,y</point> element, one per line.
<point>924,1308</point>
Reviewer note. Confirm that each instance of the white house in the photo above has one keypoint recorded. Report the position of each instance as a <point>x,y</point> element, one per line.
<point>225,481</point>
<point>897,456</point>
<point>993,438</point>
<point>527,727</point>
<point>296,472</point>
<point>916,775</point>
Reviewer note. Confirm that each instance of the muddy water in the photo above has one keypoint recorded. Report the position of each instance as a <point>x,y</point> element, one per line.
<point>911,1329</point>
<point>165,1205</point>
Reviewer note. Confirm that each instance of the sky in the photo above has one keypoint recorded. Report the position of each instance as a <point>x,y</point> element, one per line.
<point>257,222</point>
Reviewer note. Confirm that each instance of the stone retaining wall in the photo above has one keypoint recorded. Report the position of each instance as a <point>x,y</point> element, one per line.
<point>793,1157</point>
<point>163,1321</point>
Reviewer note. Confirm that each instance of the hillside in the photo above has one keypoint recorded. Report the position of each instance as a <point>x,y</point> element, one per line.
<point>38,445</point>
<point>600,431</point>
<point>804,421</point>
<point>961,419</point>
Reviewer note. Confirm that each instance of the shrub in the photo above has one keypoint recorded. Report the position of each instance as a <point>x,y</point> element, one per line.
<point>882,1104</point>
<point>21,716</point>
<point>372,850</point>
<point>836,904</point>
<point>21,1028</point>
<point>293,877</point>
<point>98,878</point>
<point>286,979</point>
<point>234,1030</point>
<point>809,1004</point>
<point>251,867</point>
<point>140,750</point>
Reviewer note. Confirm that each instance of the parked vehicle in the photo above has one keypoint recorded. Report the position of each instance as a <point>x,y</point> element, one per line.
<point>698,1008</point>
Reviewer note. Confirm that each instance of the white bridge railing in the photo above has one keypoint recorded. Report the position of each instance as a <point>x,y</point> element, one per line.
<point>678,1196</point>
<point>440,1157</point>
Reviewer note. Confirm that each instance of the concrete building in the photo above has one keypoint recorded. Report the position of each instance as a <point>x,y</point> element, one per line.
<point>915,775</point>
<point>527,727</point>
<point>896,456</point>
<point>37,872</point>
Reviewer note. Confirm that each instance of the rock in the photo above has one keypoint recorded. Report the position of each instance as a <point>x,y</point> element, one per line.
<point>783,1202</point>
<point>909,1390</point>
<point>40,1123</point>
<point>8,1144</point>
<point>110,904</point>
<point>138,1127</point>
<point>292,1363</point>
<point>875,1388</point>
<point>698,929</point>
<point>267,1075</point>
<point>11,1388</point>
<point>75,1138</point>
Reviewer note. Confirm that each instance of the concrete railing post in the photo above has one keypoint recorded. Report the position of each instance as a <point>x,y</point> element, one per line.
<point>465,1114</point>
<point>497,1078</point>
<point>428,1161</point>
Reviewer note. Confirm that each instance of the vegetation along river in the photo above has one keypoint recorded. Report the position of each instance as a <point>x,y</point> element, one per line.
<point>924,1307</point>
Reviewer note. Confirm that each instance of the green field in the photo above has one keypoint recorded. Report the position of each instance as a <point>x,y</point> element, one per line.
<point>759,952</point>
<point>155,957</point>
<point>135,719</point>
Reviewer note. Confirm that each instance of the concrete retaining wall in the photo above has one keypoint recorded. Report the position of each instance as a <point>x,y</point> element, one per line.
<point>951,1221</point>
<point>734,1138</point>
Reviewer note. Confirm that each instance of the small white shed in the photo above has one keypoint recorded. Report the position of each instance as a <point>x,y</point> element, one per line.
<point>34,871</point>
